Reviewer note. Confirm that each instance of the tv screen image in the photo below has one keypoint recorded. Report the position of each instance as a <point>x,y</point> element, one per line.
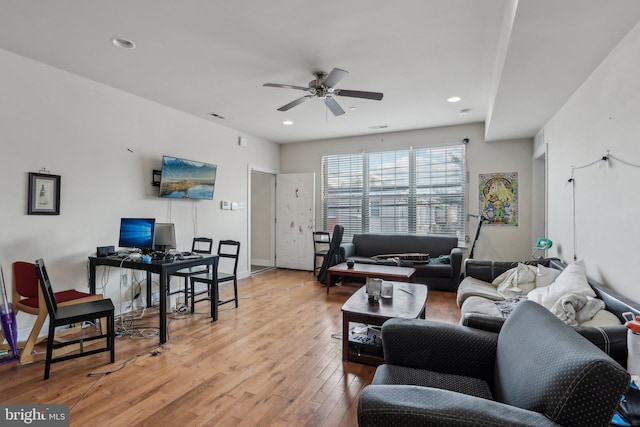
<point>137,233</point>
<point>187,179</point>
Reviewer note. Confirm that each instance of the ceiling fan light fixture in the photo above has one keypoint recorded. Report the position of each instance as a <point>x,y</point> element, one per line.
<point>323,87</point>
<point>123,43</point>
<point>454,99</point>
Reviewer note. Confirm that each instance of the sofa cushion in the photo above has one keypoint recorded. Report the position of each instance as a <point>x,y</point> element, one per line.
<point>392,374</point>
<point>480,305</point>
<point>471,286</point>
<point>602,318</point>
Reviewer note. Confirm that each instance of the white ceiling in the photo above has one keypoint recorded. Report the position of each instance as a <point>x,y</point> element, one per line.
<point>514,63</point>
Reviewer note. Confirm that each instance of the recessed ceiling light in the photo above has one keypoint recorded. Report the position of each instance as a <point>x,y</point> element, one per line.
<point>454,99</point>
<point>353,108</point>
<point>123,43</point>
<point>287,122</point>
<point>465,111</point>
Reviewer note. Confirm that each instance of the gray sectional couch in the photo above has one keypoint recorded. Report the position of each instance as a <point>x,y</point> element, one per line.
<point>476,297</point>
<point>442,272</point>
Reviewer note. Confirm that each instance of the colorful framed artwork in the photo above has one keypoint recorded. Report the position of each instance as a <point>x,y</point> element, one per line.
<point>44,194</point>
<point>499,198</point>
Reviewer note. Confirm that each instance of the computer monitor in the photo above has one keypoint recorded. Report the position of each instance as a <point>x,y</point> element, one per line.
<point>165,236</point>
<point>137,233</point>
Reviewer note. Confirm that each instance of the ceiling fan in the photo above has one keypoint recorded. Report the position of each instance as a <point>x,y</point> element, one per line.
<point>323,88</point>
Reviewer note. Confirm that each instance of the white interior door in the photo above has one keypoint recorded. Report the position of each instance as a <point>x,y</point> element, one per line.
<point>295,220</point>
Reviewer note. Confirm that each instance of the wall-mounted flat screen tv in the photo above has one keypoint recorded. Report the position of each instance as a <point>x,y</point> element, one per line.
<point>187,179</point>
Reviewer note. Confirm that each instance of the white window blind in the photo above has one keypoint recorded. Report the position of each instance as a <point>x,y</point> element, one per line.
<point>413,191</point>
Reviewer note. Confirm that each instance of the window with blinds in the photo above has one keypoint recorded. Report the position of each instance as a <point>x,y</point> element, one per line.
<point>413,191</point>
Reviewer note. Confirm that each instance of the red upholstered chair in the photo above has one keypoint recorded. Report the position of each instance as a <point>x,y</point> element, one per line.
<point>27,297</point>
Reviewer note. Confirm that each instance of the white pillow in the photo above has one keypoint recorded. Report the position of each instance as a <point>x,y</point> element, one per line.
<point>546,276</point>
<point>572,279</point>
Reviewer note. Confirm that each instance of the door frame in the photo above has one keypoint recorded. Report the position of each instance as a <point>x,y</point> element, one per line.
<point>272,242</point>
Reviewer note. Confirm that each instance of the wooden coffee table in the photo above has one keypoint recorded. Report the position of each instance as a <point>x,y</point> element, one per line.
<point>408,302</point>
<point>385,272</point>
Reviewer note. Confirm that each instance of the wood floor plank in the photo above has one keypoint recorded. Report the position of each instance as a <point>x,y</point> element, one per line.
<point>274,361</point>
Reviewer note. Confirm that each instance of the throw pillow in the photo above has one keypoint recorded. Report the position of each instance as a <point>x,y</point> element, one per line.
<point>546,276</point>
<point>573,279</point>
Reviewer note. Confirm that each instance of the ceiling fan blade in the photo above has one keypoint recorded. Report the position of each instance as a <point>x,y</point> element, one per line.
<point>333,105</point>
<point>286,86</point>
<point>334,77</point>
<point>377,96</point>
<point>294,103</point>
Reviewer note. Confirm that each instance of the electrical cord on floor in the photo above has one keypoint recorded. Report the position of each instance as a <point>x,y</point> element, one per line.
<point>153,352</point>
<point>156,351</point>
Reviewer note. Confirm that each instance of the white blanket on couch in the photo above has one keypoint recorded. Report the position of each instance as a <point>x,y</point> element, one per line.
<point>516,282</point>
<point>575,309</point>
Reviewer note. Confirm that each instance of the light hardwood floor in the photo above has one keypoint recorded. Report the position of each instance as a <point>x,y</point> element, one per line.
<point>274,361</point>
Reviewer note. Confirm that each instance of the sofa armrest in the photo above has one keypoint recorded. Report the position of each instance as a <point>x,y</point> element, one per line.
<point>439,347</point>
<point>483,322</point>
<point>347,250</point>
<point>610,339</point>
<point>405,405</point>
<point>456,264</point>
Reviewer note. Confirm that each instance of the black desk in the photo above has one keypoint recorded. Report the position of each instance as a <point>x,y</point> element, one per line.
<point>163,268</point>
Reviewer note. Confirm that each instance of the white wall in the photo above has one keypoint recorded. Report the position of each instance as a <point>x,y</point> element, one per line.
<point>602,115</point>
<point>83,131</point>
<point>499,243</point>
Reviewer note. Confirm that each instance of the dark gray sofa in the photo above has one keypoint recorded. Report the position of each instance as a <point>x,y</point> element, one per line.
<point>450,375</point>
<point>610,339</point>
<point>442,272</point>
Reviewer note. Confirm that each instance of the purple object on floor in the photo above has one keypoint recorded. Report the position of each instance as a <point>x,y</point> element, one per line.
<point>10,330</point>
<point>8,322</point>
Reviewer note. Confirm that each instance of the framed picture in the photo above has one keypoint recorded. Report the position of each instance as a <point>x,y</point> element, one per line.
<point>499,198</point>
<point>44,194</point>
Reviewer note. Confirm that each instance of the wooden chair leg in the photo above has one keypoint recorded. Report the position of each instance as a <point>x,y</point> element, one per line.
<point>27,355</point>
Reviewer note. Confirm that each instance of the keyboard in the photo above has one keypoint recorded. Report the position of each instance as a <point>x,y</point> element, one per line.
<point>190,256</point>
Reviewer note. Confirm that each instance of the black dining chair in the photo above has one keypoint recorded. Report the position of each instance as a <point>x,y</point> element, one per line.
<point>229,249</point>
<point>321,244</point>
<point>72,314</point>
<point>200,245</point>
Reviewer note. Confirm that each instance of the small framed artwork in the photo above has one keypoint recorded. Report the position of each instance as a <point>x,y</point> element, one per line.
<point>44,194</point>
